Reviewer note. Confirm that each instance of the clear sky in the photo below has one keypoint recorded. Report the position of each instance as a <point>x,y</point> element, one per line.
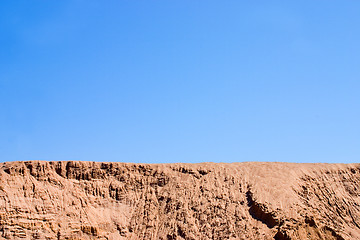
<point>180,81</point>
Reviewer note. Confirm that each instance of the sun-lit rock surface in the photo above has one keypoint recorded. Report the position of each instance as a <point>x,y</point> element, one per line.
<point>86,200</point>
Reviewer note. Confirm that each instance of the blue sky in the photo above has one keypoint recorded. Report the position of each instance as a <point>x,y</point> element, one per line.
<point>180,81</point>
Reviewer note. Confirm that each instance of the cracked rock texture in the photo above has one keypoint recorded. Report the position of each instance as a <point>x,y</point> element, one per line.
<point>92,200</point>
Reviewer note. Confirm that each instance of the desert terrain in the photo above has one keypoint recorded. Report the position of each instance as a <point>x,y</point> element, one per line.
<point>102,200</point>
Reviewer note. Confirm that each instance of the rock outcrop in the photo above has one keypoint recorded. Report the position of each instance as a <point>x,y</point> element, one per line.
<point>91,200</point>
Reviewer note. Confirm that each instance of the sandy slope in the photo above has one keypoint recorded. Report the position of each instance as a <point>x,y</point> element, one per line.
<point>86,200</point>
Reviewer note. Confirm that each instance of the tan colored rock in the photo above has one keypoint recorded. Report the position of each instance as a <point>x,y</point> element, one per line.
<point>91,200</point>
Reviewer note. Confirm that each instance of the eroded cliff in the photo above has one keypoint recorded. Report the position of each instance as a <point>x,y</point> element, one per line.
<point>88,200</point>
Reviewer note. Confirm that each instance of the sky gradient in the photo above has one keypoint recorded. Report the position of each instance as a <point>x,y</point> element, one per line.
<point>180,81</point>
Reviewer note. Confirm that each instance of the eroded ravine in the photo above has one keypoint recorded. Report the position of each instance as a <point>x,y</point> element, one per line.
<point>87,200</point>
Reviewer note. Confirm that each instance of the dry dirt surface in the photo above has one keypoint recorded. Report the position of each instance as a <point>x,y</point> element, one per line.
<point>93,200</point>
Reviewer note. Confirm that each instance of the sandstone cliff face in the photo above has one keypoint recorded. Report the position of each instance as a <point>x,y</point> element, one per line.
<point>87,200</point>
